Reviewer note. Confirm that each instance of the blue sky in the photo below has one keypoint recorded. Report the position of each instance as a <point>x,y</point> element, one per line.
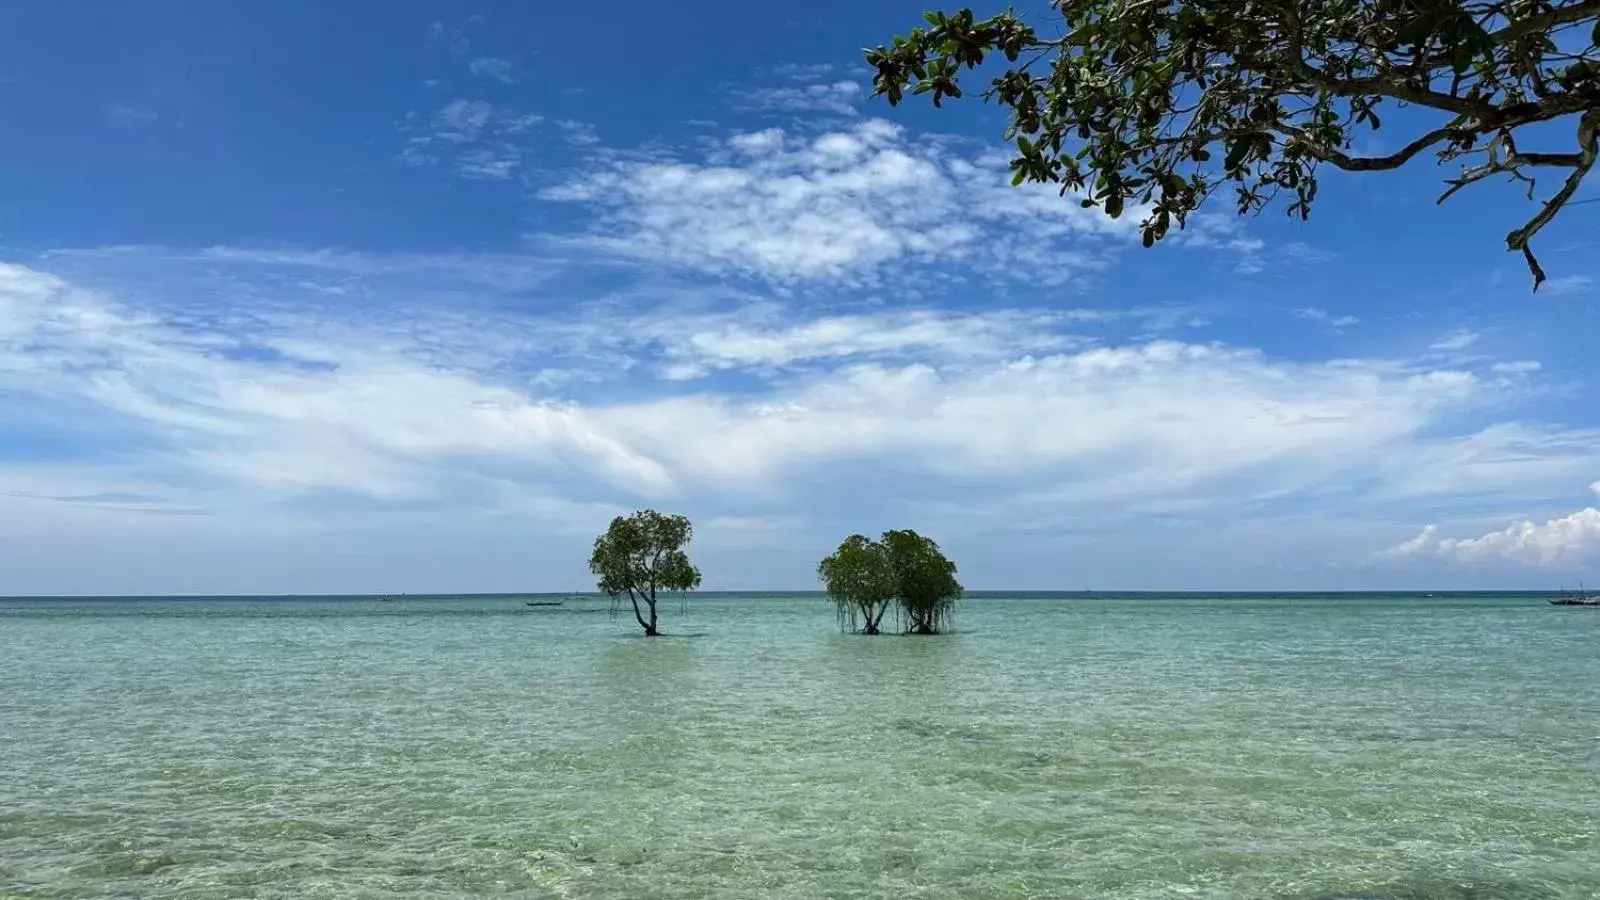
<point>416,296</point>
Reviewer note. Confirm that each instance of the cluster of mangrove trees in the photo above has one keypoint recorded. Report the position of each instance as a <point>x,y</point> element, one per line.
<point>901,571</point>
<point>644,556</point>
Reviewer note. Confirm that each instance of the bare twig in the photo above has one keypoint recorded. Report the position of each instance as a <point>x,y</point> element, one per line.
<point>1518,239</point>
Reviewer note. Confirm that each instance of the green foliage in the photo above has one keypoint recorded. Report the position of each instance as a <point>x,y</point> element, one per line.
<point>1160,102</point>
<point>925,581</point>
<point>863,577</point>
<point>642,554</point>
<point>860,580</point>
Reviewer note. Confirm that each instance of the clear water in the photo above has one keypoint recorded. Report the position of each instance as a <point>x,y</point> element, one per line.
<point>1353,747</point>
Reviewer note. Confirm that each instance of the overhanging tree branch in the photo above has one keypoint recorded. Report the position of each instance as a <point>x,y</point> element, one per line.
<point>1282,86</point>
<point>1375,163</point>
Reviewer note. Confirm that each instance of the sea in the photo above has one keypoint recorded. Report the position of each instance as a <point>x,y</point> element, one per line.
<point>1350,746</point>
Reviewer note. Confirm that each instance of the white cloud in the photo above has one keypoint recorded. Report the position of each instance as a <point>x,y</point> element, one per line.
<point>757,338</point>
<point>1560,541</point>
<point>493,67</point>
<point>838,97</point>
<point>250,407</point>
<point>581,134</point>
<point>1426,541</point>
<point>124,115</point>
<point>453,38</point>
<point>1516,367</point>
<point>463,120</point>
<point>809,71</point>
<point>1142,420</point>
<point>1506,465</point>
<point>1322,315</point>
<point>492,163</point>
<point>1010,399</point>
<point>1456,340</point>
<point>839,206</point>
<point>1566,285</point>
<point>505,271</point>
<point>479,139</point>
<point>362,418</point>
<point>1224,233</point>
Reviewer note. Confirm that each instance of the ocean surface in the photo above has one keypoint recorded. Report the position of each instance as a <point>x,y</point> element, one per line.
<point>1141,746</point>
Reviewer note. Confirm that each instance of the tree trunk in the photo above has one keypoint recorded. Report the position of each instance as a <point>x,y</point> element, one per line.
<point>872,623</point>
<point>638,615</point>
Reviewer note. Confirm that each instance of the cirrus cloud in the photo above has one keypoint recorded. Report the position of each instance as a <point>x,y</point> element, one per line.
<point>840,206</point>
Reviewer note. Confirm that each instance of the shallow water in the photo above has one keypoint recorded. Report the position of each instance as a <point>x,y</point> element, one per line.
<point>1354,747</point>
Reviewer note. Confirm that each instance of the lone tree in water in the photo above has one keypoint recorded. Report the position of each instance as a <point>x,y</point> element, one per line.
<point>1127,100</point>
<point>860,580</point>
<point>641,555</point>
<point>925,581</point>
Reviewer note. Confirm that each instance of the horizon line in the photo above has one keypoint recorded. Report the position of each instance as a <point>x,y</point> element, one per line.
<point>779,592</point>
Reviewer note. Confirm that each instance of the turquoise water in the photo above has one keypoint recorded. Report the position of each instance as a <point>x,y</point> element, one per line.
<point>1351,747</point>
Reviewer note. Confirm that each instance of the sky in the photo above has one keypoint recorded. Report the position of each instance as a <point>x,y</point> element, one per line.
<point>415,296</point>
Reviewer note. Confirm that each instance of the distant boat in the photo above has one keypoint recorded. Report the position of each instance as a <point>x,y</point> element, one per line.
<point>1578,599</point>
<point>544,602</point>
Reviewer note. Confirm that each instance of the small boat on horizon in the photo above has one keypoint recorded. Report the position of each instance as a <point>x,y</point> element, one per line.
<point>1581,598</point>
<point>543,602</point>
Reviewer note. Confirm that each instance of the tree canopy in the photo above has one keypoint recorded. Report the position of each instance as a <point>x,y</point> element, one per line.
<point>642,554</point>
<point>925,581</point>
<point>1133,101</point>
<point>865,577</point>
<point>860,579</point>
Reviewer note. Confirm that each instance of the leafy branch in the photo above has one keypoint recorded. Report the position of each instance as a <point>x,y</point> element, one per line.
<point>1131,102</point>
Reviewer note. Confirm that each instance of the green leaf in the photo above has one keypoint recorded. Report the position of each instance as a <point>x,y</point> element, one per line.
<point>1237,148</point>
<point>1415,30</point>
